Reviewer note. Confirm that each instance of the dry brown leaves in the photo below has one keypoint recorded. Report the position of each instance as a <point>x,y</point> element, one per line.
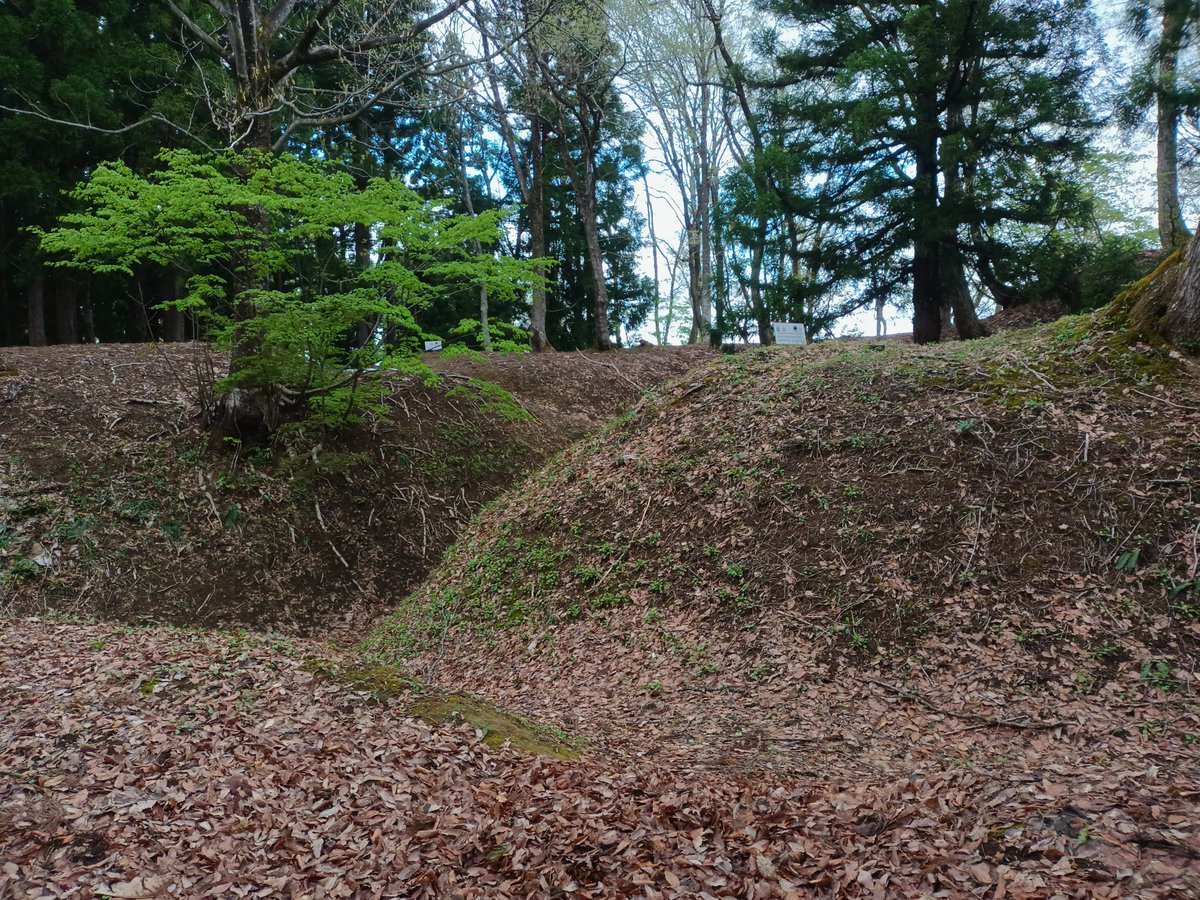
<point>110,490</point>
<point>138,763</point>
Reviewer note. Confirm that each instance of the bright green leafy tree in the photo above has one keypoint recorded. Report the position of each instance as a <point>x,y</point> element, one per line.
<point>245,227</point>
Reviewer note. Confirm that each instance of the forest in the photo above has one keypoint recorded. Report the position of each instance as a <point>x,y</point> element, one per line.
<point>404,491</point>
<point>805,160</point>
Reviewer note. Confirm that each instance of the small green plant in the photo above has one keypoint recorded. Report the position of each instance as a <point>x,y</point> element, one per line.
<point>1184,598</point>
<point>1128,561</point>
<point>233,517</point>
<point>761,672</point>
<point>736,571</point>
<point>1028,637</point>
<point>21,570</point>
<point>965,426</point>
<point>1155,728</point>
<point>659,586</point>
<point>653,616</point>
<point>1157,673</point>
<point>586,574</point>
<point>609,601</point>
<point>136,510</point>
<point>654,688</point>
<point>711,552</point>
<point>1105,651</point>
<point>735,601</point>
<point>858,640</point>
<point>75,530</point>
<point>853,492</point>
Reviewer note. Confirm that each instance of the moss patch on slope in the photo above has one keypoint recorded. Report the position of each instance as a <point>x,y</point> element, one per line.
<point>868,470</point>
<point>1016,513</point>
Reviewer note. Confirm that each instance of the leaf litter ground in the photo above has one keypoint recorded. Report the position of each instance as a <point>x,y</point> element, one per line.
<point>156,762</point>
<point>898,676</point>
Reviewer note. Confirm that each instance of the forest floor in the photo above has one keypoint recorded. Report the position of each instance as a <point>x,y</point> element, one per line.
<point>114,503</point>
<point>861,619</point>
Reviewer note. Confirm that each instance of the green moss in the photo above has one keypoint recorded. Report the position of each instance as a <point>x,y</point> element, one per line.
<point>1135,314</point>
<point>393,686</point>
<point>499,728</point>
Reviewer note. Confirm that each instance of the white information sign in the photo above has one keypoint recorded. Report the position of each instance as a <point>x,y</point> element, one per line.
<point>430,346</point>
<point>790,333</point>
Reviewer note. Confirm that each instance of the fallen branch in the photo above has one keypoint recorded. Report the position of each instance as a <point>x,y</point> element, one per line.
<point>966,716</point>
<point>620,374</point>
<point>1170,403</point>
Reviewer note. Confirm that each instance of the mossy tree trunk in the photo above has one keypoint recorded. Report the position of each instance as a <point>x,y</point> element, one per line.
<point>1172,231</point>
<point>1165,306</point>
<point>1182,327</point>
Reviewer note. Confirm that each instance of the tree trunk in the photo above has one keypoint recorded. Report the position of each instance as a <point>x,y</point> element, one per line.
<point>87,316</point>
<point>1164,307</point>
<point>704,227</point>
<point>174,324</point>
<point>658,337</point>
<point>697,332</point>
<point>766,334</point>
<point>66,314</point>
<point>720,282</point>
<point>1172,232</point>
<point>250,413</point>
<point>596,258</point>
<point>583,179</point>
<point>926,292</point>
<point>926,275</point>
<point>469,207</point>
<point>35,306</point>
<point>1182,322</point>
<point>537,231</point>
<point>957,294</point>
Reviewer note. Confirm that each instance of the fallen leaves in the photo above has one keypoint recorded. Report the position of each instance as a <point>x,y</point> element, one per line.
<point>247,775</point>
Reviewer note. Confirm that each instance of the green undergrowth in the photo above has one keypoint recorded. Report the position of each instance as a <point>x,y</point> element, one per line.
<point>392,686</point>
<point>774,474</point>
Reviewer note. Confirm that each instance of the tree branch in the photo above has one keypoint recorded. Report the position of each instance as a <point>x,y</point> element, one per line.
<point>86,126</point>
<point>328,52</point>
<point>196,31</point>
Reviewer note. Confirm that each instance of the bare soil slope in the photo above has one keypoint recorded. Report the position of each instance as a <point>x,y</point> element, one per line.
<point>113,503</point>
<point>865,558</point>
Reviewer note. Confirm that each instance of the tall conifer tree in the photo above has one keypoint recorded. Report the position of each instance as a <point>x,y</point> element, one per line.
<point>944,134</point>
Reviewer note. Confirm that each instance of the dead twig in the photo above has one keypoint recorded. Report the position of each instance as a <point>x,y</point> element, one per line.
<point>1164,400</point>
<point>966,716</point>
<point>620,374</point>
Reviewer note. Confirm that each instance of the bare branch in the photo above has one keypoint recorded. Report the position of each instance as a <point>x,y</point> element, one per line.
<point>87,126</point>
<point>196,31</point>
<point>328,52</point>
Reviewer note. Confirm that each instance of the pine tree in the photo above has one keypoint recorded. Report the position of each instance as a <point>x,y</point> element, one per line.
<point>99,62</point>
<point>943,135</point>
